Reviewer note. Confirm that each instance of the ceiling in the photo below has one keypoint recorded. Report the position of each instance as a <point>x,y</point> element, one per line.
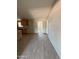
<point>34,8</point>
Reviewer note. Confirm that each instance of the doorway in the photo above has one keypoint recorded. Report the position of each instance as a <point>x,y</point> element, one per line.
<point>40,27</point>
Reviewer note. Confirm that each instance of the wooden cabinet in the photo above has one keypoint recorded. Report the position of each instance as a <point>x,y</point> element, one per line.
<point>27,24</point>
<point>24,22</point>
<point>19,34</point>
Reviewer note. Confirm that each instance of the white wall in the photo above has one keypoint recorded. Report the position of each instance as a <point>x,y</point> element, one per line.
<point>44,25</point>
<point>54,27</point>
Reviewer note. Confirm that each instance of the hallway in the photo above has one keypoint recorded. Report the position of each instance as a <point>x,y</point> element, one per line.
<point>35,46</point>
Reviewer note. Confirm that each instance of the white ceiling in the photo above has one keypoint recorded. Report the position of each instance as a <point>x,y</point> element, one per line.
<point>34,8</point>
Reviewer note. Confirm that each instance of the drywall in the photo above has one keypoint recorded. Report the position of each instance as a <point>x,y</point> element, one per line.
<point>54,27</point>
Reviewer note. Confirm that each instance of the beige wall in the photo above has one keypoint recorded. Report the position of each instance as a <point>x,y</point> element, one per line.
<point>54,27</point>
